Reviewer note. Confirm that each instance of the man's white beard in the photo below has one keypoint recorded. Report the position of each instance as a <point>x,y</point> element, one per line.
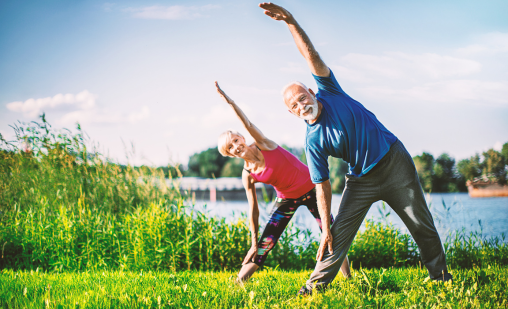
<point>313,114</point>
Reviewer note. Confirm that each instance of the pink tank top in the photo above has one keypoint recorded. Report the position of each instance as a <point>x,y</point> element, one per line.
<point>288,175</point>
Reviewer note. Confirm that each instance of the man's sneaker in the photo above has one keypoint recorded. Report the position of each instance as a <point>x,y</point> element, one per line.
<point>304,291</point>
<point>444,277</point>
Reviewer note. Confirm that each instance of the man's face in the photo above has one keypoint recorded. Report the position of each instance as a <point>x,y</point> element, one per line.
<point>301,102</point>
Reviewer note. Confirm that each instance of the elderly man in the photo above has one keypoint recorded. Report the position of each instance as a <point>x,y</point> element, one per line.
<point>380,168</point>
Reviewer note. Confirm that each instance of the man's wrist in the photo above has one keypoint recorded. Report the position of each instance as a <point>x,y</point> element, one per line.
<point>291,20</point>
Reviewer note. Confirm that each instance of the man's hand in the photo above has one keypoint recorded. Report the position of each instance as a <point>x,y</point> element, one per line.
<point>326,242</point>
<point>324,202</point>
<point>223,94</point>
<point>250,255</point>
<point>314,61</point>
<point>276,12</point>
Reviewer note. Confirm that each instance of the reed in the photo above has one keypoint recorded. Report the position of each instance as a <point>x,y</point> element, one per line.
<point>65,207</point>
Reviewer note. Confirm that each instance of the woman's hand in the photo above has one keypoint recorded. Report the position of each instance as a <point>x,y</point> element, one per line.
<point>250,255</point>
<point>223,94</point>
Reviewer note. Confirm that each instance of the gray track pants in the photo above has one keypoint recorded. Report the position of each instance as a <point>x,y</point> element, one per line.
<point>394,180</point>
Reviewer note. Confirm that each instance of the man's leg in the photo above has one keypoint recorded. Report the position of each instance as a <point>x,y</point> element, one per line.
<point>357,198</point>
<point>402,191</point>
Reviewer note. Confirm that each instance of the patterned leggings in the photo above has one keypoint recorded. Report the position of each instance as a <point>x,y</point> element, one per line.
<point>282,212</point>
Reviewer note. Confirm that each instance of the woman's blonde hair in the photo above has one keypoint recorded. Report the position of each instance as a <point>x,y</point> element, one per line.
<point>224,141</point>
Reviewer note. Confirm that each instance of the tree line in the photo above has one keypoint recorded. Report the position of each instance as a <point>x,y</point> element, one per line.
<point>440,174</point>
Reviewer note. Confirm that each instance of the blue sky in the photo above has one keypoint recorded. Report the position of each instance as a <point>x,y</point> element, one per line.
<point>434,72</point>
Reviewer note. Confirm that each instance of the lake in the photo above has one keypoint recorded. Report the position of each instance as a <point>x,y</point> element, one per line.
<point>451,212</point>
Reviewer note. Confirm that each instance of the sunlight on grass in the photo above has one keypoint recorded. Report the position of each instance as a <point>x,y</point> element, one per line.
<point>403,287</point>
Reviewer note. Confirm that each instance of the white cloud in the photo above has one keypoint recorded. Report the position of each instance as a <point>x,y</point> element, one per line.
<point>33,107</point>
<point>478,92</point>
<point>174,12</point>
<point>138,116</point>
<point>489,43</point>
<point>246,91</point>
<point>286,43</point>
<point>498,146</point>
<point>104,116</point>
<point>83,109</point>
<point>88,116</point>
<point>293,67</point>
<point>350,74</point>
<point>398,65</point>
<point>427,77</point>
<point>8,136</point>
<point>223,114</point>
<point>169,133</point>
<point>108,6</point>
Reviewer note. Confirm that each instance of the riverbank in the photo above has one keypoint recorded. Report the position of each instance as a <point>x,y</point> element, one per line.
<point>391,288</point>
<point>452,212</point>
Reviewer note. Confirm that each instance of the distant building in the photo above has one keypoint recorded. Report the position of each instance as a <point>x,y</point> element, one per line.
<point>224,188</point>
<point>485,186</point>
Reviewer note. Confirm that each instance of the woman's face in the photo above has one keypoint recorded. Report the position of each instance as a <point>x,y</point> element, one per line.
<point>237,146</point>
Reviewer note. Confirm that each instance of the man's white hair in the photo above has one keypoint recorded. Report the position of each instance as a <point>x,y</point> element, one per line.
<point>292,84</point>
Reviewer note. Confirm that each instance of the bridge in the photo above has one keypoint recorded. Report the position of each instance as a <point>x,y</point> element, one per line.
<point>224,188</point>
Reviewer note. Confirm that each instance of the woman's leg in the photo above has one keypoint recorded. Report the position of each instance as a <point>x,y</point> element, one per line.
<point>247,271</point>
<point>311,203</point>
<point>282,213</point>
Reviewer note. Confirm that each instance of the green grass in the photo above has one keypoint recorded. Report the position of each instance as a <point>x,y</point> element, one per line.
<point>368,288</point>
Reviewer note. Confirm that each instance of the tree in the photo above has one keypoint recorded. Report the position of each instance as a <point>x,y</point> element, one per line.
<point>443,179</point>
<point>504,153</point>
<point>338,170</point>
<point>171,171</point>
<point>494,165</point>
<point>232,168</point>
<point>425,167</point>
<point>470,168</point>
<point>208,163</point>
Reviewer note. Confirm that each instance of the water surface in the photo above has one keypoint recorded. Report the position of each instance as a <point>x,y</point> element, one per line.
<point>451,212</point>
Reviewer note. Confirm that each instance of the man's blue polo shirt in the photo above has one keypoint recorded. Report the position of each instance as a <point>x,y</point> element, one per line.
<point>345,129</point>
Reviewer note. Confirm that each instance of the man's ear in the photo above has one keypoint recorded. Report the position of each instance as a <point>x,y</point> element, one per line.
<point>312,92</point>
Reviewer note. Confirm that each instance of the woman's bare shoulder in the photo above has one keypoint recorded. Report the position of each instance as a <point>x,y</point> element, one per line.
<point>266,145</point>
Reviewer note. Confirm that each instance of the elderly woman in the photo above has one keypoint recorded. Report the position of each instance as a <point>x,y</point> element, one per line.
<point>267,162</point>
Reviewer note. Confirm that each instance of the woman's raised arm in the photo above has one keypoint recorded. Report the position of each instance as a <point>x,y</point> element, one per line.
<point>261,140</point>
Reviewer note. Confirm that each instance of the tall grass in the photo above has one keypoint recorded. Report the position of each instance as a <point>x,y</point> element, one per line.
<point>63,206</point>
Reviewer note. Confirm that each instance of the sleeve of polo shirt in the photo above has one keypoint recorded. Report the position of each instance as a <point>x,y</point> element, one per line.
<point>318,165</point>
<point>329,84</point>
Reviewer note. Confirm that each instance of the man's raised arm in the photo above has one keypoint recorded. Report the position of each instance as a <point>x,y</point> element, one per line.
<point>316,65</point>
